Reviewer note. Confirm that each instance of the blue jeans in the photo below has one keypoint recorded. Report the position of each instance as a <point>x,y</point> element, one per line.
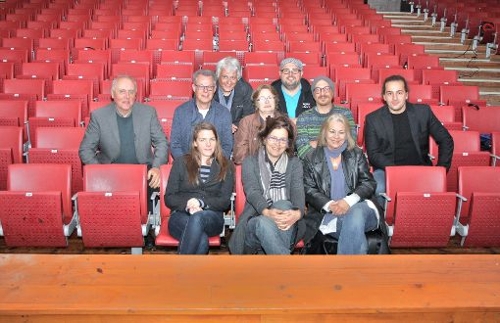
<point>193,230</point>
<point>264,236</point>
<point>379,176</point>
<point>351,229</point>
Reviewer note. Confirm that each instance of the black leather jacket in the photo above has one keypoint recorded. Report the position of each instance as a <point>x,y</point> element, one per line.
<point>358,178</point>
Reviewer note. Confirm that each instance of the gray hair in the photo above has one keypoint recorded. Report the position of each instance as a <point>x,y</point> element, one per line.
<point>351,143</point>
<point>121,77</point>
<point>230,64</point>
<point>207,73</point>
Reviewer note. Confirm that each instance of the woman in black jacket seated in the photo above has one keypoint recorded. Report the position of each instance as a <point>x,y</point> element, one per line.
<point>338,187</point>
<point>199,190</point>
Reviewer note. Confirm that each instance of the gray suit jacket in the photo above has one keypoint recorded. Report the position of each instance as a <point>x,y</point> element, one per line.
<point>101,143</point>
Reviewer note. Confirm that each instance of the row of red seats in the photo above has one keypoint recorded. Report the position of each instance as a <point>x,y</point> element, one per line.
<point>351,92</point>
<point>54,129</point>
<point>112,212</point>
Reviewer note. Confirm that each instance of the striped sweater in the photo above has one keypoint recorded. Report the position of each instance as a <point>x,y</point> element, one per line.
<point>309,125</point>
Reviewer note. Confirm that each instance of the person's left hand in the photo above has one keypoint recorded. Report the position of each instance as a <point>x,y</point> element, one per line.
<point>234,128</point>
<point>154,177</point>
<point>339,207</point>
<point>193,205</point>
<point>287,218</point>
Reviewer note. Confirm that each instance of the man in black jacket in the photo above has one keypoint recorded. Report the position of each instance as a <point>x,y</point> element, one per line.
<point>294,92</point>
<point>398,133</point>
<point>233,91</point>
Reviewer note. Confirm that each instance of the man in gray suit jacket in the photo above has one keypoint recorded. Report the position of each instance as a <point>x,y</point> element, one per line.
<point>124,132</point>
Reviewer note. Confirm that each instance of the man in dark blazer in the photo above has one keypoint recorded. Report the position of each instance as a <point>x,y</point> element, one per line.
<point>398,133</point>
<point>233,91</point>
<point>125,132</point>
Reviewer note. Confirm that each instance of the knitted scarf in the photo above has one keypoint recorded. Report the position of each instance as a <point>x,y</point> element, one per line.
<point>273,177</point>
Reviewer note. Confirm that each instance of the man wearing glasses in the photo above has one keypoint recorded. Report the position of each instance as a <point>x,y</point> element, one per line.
<point>294,92</point>
<point>398,133</point>
<point>200,108</point>
<point>309,123</point>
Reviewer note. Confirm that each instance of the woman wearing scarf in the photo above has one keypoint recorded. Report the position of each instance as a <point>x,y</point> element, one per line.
<point>271,221</point>
<point>338,187</point>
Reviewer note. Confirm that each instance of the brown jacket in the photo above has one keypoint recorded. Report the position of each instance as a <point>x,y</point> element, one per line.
<point>246,140</point>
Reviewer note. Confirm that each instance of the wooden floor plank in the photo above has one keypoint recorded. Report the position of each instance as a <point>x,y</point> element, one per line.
<point>261,288</point>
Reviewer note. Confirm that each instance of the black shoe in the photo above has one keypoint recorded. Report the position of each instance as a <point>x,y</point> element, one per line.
<point>149,241</point>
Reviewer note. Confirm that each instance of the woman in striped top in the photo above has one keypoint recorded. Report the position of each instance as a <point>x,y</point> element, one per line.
<point>199,190</point>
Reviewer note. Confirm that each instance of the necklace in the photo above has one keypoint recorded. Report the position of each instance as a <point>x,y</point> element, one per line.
<point>336,162</point>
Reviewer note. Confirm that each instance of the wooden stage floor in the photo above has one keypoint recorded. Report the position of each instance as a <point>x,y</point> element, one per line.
<point>75,246</point>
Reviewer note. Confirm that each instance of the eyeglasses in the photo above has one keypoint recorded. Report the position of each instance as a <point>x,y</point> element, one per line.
<point>293,71</point>
<point>318,90</point>
<point>276,140</point>
<point>208,88</point>
<point>264,99</point>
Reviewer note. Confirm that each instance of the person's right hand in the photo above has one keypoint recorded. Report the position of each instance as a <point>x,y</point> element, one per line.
<point>272,213</point>
<point>287,218</point>
<point>193,205</point>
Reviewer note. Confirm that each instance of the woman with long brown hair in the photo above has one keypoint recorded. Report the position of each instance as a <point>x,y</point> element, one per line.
<point>199,190</point>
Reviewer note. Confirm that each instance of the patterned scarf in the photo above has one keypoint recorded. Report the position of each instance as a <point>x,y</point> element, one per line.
<point>273,177</point>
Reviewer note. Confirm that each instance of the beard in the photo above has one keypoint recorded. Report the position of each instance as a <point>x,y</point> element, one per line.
<point>291,86</point>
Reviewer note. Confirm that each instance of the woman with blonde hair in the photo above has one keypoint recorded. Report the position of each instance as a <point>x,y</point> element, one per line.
<point>339,188</point>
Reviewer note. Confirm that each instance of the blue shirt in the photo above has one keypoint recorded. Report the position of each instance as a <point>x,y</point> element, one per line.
<point>291,101</point>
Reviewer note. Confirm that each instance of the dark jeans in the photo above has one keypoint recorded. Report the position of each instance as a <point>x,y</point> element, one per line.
<point>193,230</point>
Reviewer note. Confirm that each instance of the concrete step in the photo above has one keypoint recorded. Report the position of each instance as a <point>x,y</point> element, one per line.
<point>473,67</point>
<point>473,63</point>
<point>429,39</point>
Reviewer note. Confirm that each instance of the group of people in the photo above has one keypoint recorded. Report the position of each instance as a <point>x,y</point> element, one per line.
<point>303,175</point>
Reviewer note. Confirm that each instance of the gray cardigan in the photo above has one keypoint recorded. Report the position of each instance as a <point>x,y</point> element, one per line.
<point>256,202</point>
